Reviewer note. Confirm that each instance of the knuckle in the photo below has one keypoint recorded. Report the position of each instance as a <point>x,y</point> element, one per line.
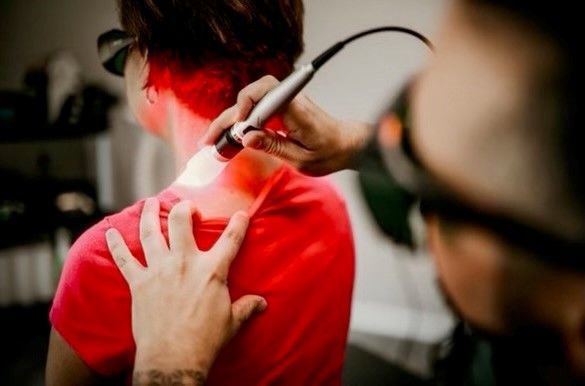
<point>120,261</point>
<point>243,95</point>
<point>269,79</point>
<point>116,250</point>
<point>147,232</point>
<point>274,147</point>
<point>179,211</point>
<point>235,235</point>
<point>310,156</point>
<point>226,118</point>
<point>217,276</point>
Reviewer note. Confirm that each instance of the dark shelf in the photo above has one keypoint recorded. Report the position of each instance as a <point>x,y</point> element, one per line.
<point>29,209</point>
<point>26,231</point>
<point>47,134</point>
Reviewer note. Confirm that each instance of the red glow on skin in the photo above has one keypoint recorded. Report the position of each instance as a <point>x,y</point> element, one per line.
<point>243,173</point>
<point>235,189</point>
<point>248,170</point>
<point>207,92</point>
<point>151,118</point>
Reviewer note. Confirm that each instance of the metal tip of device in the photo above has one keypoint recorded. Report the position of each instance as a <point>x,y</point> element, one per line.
<point>218,156</point>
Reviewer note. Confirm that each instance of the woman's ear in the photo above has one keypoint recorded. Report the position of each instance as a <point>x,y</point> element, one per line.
<point>150,90</point>
<point>151,94</point>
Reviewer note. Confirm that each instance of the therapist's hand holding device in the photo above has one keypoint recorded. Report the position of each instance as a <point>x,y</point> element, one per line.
<point>316,143</point>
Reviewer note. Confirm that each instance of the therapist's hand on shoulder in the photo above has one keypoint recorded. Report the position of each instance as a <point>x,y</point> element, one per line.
<point>182,314</point>
<point>316,143</point>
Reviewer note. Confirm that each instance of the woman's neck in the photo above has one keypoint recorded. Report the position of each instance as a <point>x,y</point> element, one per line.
<point>246,173</point>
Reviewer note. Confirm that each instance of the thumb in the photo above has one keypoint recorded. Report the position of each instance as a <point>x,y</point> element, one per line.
<point>277,145</point>
<point>244,308</point>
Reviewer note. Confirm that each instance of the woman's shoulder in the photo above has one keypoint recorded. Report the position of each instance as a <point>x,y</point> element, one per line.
<point>91,245</point>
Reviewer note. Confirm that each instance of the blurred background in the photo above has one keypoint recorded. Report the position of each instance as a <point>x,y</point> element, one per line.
<point>65,136</point>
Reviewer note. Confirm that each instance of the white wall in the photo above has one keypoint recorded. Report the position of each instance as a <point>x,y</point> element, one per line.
<point>359,81</point>
<point>32,29</point>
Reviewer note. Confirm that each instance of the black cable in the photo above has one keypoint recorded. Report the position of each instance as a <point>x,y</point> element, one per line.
<point>329,53</point>
<point>404,30</point>
<point>411,292</point>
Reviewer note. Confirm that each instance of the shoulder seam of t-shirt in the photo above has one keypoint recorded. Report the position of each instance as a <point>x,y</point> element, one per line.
<point>266,189</point>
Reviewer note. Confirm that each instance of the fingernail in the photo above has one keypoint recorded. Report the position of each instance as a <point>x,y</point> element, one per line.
<point>110,233</point>
<point>263,305</point>
<point>256,143</point>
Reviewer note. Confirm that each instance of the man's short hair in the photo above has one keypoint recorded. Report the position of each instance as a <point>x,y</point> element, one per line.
<point>237,41</point>
<point>556,97</point>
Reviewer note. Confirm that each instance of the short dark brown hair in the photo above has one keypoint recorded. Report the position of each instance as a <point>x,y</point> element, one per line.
<point>197,30</point>
<point>241,40</point>
<point>556,100</point>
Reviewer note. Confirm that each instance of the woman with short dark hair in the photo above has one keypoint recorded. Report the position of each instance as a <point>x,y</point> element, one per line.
<point>183,63</point>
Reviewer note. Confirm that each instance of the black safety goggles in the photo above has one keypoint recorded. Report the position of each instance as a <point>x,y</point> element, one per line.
<point>395,183</point>
<point>113,48</point>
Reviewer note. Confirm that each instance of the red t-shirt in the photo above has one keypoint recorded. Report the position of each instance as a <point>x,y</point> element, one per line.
<point>298,254</point>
